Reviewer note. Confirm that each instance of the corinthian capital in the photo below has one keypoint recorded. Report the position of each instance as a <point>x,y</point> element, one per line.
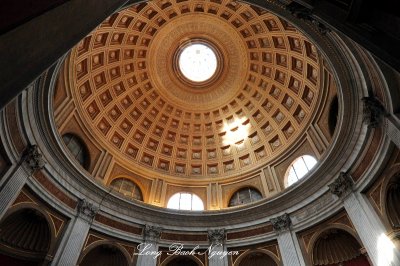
<point>374,112</point>
<point>216,236</point>
<point>342,185</point>
<point>152,233</point>
<point>33,158</point>
<point>86,210</point>
<point>281,223</point>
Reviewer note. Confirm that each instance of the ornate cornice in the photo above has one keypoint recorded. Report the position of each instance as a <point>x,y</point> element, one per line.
<point>281,223</point>
<point>373,112</point>
<point>152,233</point>
<point>216,236</point>
<point>342,185</point>
<point>86,210</point>
<point>33,158</point>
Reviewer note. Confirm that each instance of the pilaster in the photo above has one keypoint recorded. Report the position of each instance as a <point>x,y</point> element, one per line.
<point>392,129</point>
<point>287,241</point>
<point>216,238</point>
<point>75,235</point>
<point>375,116</point>
<point>31,161</point>
<point>149,248</point>
<point>380,249</point>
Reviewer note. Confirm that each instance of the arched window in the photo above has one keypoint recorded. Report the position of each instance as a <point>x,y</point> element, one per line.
<point>185,201</point>
<point>299,168</point>
<point>244,196</point>
<point>78,149</point>
<point>127,188</point>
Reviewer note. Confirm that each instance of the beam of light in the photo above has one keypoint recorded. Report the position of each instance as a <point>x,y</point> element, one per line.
<point>385,249</point>
<point>235,131</point>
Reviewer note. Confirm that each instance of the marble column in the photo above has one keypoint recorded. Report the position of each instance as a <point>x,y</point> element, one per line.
<point>71,245</point>
<point>287,241</point>
<point>370,230</point>
<point>217,248</point>
<point>31,161</point>
<point>148,250</point>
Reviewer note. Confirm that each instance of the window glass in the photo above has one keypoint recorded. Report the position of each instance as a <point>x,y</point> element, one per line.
<point>185,201</point>
<point>299,168</point>
<point>244,196</point>
<point>77,148</point>
<point>127,188</point>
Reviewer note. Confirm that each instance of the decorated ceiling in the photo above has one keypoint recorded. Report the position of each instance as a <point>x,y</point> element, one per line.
<point>131,96</point>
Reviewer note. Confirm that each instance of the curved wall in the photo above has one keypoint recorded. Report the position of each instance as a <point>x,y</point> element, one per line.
<point>356,166</point>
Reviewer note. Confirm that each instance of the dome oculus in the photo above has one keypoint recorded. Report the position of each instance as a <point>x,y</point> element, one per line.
<point>197,62</point>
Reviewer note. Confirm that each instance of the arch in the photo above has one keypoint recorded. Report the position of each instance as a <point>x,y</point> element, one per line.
<point>268,255</point>
<point>299,168</point>
<point>392,199</point>
<point>185,201</point>
<point>78,149</point>
<point>387,210</point>
<point>181,261</point>
<point>244,195</point>
<point>104,253</point>
<point>333,115</point>
<point>127,187</point>
<point>392,204</point>
<point>25,236</point>
<point>335,245</point>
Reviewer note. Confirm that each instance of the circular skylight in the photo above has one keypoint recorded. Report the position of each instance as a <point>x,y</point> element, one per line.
<point>197,62</point>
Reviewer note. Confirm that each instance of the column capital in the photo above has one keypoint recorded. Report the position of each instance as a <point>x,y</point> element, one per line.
<point>306,14</point>
<point>373,112</point>
<point>216,236</point>
<point>281,223</point>
<point>342,185</point>
<point>33,158</point>
<point>86,210</point>
<point>152,233</point>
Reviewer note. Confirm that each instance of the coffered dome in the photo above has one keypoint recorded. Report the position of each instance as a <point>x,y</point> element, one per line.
<point>266,83</point>
<point>201,132</point>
